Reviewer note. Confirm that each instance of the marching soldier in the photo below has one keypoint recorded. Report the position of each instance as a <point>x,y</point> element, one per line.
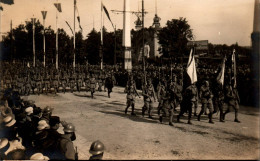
<point>149,98</point>
<point>131,93</point>
<point>27,83</point>
<point>56,81</point>
<point>39,82</point>
<point>100,82</point>
<point>92,85</point>
<point>64,81</point>
<point>97,149</point>
<point>189,101</point>
<point>79,82</point>
<point>176,96</point>
<point>33,82</point>
<point>109,84</point>
<point>72,81</point>
<point>218,100</point>
<point>87,82</point>
<point>47,81</point>
<point>206,101</point>
<point>232,99</point>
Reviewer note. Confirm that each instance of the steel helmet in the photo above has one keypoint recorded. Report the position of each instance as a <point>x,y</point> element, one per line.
<point>47,109</point>
<point>69,128</point>
<point>97,147</point>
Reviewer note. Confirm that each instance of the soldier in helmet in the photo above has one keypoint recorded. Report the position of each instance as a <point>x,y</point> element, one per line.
<point>97,149</point>
<point>149,98</point>
<point>92,85</point>
<point>79,81</point>
<point>56,81</point>
<point>109,84</point>
<point>206,101</point>
<point>87,82</point>
<point>232,99</point>
<point>72,81</point>
<point>176,89</point>
<point>64,81</point>
<point>47,80</point>
<point>188,102</point>
<point>131,93</point>
<point>65,143</point>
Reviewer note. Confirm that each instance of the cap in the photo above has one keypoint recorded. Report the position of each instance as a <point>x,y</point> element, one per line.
<point>9,121</point>
<point>42,124</point>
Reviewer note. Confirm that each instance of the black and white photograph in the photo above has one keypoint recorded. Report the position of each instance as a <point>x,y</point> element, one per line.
<point>129,79</point>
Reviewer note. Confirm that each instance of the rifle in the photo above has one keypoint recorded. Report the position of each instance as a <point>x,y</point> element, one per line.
<point>76,154</point>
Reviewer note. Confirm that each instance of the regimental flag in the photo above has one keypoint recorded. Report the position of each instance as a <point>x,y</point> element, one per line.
<point>44,13</point>
<point>10,2</point>
<point>191,68</point>
<point>234,71</point>
<point>103,7</point>
<point>58,6</point>
<point>221,75</point>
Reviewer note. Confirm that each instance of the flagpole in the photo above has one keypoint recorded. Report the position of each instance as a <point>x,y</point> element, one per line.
<point>33,21</point>
<point>143,41</point>
<point>57,40</point>
<point>44,14</point>
<point>101,33</point>
<point>74,38</point>
<point>115,48</point>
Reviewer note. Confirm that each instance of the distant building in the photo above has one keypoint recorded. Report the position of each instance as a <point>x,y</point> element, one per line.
<point>201,47</point>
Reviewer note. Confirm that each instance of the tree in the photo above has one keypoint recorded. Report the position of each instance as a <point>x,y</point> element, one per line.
<point>174,38</point>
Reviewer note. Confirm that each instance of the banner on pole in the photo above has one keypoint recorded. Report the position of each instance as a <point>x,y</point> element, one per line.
<point>44,13</point>
<point>58,6</point>
<point>191,68</point>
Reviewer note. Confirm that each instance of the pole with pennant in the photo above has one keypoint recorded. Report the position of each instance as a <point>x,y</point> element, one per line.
<point>33,26</point>
<point>58,6</point>
<point>74,38</point>
<point>44,13</point>
<point>101,34</point>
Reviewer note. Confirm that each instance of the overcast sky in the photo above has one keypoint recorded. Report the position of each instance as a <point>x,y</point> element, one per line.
<point>219,21</point>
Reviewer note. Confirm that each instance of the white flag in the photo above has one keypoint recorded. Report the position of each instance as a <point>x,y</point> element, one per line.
<point>191,68</point>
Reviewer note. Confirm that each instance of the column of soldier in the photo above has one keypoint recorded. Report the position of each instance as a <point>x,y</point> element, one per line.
<point>170,95</point>
<point>29,132</point>
<point>28,81</point>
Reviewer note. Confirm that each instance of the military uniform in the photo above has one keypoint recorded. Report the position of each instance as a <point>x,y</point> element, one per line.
<point>189,101</point>
<point>206,101</point>
<point>64,81</point>
<point>87,83</point>
<point>47,81</point>
<point>100,83</point>
<point>131,93</point>
<point>92,85</point>
<point>79,81</point>
<point>232,99</point>
<point>72,81</point>
<point>149,98</point>
<point>109,84</point>
<point>39,82</point>
<point>218,100</point>
<point>27,85</point>
<point>56,81</point>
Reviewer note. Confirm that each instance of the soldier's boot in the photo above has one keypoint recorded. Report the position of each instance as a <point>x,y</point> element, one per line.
<point>133,111</point>
<point>92,95</point>
<point>210,118</point>
<point>236,120</point>
<point>160,119</point>
<point>221,117</point>
<point>143,111</point>
<point>178,118</point>
<point>108,94</point>
<point>126,109</point>
<point>189,122</point>
<point>170,122</point>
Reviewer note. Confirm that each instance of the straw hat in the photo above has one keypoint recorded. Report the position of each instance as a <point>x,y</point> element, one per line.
<point>39,156</point>
<point>42,125</point>
<point>29,110</point>
<point>9,121</point>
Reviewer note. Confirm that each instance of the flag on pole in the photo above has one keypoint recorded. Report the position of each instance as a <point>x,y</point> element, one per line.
<point>69,26</point>
<point>105,9</point>
<point>44,13</point>
<point>221,75</point>
<point>191,68</point>
<point>233,77</point>
<point>58,6</point>
<point>10,2</point>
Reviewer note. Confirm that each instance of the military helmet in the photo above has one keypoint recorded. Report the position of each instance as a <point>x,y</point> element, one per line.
<point>69,128</point>
<point>97,147</point>
<point>47,109</point>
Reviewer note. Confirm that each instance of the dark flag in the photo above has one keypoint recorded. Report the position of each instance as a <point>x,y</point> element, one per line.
<point>1,8</point>
<point>58,6</point>
<point>79,23</point>
<point>44,13</point>
<point>107,13</point>
<point>10,2</point>
<point>69,26</point>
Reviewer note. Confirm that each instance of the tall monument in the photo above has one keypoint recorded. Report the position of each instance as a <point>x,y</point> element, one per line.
<point>255,36</point>
<point>157,27</point>
<point>127,36</point>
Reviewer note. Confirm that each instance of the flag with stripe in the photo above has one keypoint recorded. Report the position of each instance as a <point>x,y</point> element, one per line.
<point>105,9</point>
<point>191,68</point>
<point>221,75</point>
